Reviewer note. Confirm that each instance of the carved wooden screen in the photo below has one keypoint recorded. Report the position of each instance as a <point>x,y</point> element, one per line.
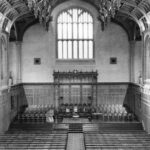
<point>75,87</point>
<point>75,95</point>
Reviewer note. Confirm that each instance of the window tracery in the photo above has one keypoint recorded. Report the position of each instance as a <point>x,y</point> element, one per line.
<point>75,34</point>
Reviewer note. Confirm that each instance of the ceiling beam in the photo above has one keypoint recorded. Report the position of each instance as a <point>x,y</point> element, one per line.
<point>10,8</point>
<point>132,16</point>
<point>14,8</point>
<point>128,3</point>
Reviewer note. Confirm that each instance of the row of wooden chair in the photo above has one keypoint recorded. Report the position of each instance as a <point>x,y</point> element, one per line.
<point>29,117</point>
<point>34,109</point>
<point>113,113</point>
<point>70,107</point>
<point>34,113</point>
<point>104,111</point>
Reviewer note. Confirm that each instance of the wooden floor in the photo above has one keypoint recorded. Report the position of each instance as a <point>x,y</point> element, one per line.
<point>76,136</point>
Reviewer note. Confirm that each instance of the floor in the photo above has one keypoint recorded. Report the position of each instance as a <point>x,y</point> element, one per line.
<point>75,120</point>
<point>75,141</point>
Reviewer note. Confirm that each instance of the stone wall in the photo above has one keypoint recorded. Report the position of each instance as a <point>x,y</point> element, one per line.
<point>38,43</point>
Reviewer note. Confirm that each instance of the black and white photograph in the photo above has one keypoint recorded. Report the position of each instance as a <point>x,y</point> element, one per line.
<point>74,74</point>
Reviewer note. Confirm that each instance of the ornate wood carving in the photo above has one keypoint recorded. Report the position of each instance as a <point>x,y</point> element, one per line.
<point>75,87</point>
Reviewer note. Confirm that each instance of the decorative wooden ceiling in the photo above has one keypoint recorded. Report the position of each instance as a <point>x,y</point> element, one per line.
<point>15,15</point>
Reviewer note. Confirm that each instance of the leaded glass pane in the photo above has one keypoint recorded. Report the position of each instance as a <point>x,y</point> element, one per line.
<point>85,50</point>
<point>65,49</point>
<point>75,34</point>
<point>80,49</point>
<point>60,52</point>
<point>70,49</point>
<point>75,50</point>
<point>90,49</point>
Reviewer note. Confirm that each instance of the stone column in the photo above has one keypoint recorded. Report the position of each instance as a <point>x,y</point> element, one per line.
<point>0,66</point>
<point>19,61</point>
<point>4,62</point>
<point>146,59</point>
<point>141,80</point>
<point>131,61</point>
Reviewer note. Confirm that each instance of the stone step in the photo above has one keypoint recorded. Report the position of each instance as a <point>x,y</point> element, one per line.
<point>118,126</point>
<point>75,128</point>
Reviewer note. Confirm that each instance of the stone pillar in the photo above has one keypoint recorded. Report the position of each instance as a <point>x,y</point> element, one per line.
<point>0,66</point>
<point>131,61</point>
<point>19,61</point>
<point>141,78</point>
<point>146,59</point>
<point>4,62</point>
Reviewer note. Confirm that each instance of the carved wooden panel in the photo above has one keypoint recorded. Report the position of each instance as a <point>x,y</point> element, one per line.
<point>111,93</point>
<point>75,94</point>
<point>39,94</point>
<point>86,94</point>
<point>75,87</point>
<point>64,94</point>
<point>75,77</point>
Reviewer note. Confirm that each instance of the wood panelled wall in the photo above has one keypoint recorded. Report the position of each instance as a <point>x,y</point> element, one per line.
<point>107,93</point>
<point>111,93</point>
<point>43,94</point>
<point>32,94</point>
<point>139,102</point>
<point>133,99</point>
<point>38,94</point>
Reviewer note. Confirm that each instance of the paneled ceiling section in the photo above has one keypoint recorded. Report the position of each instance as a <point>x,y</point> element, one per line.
<point>11,11</point>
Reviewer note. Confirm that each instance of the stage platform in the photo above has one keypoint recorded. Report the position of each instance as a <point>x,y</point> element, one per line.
<point>75,120</point>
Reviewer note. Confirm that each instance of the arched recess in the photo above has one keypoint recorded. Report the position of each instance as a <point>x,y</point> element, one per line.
<point>3,61</point>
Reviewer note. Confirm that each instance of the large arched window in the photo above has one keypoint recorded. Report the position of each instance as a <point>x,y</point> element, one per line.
<point>75,35</point>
